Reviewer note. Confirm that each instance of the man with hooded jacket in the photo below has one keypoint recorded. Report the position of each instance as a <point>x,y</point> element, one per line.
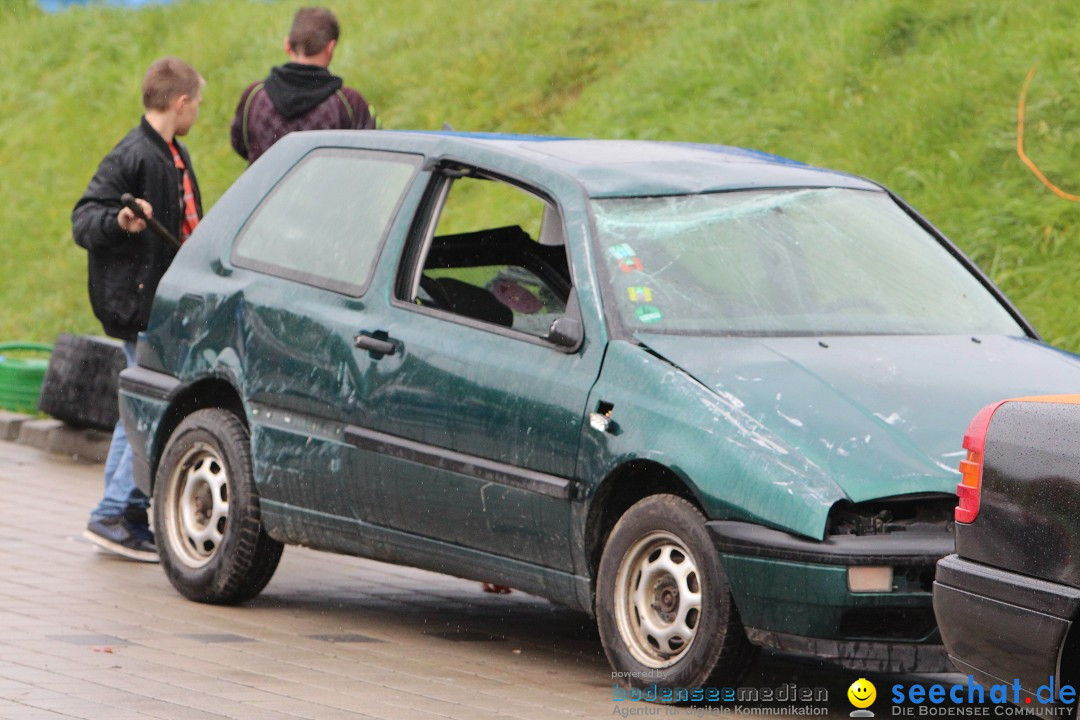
<point>299,95</point>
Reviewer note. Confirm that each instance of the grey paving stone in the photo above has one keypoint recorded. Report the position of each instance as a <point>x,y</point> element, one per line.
<point>10,424</point>
<point>38,433</point>
<point>53,436</point>
<point>86,444</point>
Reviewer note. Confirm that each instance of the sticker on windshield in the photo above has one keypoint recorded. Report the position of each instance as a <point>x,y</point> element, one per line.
<point>648,314</point>
<point>621,252</point>
<point>640,294</point>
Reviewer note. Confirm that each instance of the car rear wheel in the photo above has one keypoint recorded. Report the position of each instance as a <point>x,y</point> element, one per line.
<point>206,512</point>
<point>663,605</point>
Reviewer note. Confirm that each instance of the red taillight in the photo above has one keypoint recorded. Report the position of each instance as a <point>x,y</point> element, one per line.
<point>970,485</point>
<point>968,488</point>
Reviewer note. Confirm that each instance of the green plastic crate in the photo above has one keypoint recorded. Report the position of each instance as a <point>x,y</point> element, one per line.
<point>22,370</point>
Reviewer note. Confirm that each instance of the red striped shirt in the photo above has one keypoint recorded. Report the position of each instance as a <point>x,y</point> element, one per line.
<point>187,195</point>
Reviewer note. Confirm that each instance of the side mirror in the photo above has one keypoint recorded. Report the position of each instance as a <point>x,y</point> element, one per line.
<point>566,333</point>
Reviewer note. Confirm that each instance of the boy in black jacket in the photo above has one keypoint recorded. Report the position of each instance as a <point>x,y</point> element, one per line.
<point>126,263</point>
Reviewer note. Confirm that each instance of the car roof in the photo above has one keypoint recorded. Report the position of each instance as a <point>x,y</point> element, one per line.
<point>606,168</point>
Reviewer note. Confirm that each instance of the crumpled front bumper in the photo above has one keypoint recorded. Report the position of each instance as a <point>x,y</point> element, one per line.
<point>793,595</point>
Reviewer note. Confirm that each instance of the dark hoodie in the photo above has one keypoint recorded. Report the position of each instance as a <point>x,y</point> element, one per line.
<point>295,88</point>
<point>295,97</point>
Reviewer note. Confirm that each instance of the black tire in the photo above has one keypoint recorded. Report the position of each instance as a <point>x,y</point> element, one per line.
<point>663,605</point>
<point>206,512</point>
<point>81,382</point>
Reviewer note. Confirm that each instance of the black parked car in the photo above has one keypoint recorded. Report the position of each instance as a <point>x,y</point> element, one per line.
<point>1007,600</point>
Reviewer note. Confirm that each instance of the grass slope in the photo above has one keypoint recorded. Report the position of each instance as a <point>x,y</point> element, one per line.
<point>920,95</point>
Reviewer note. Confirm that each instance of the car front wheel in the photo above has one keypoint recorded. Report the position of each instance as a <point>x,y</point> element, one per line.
<point>206,512</point>
<point>663,606</point>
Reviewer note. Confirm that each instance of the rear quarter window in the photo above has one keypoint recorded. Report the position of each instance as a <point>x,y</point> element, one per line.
<point>324,222</point>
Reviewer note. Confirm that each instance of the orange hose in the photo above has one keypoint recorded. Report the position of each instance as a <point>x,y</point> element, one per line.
<point>1020,144</point>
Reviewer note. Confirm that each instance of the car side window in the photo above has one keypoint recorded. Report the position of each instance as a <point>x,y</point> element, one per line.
<point>495,253</point>
<point>324,222</point>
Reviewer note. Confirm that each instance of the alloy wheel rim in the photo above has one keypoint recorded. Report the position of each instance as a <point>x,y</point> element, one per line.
<point>200,505</point>
<point>658,599</point>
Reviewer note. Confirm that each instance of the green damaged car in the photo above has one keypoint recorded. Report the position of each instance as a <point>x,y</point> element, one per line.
<point>708,395</point>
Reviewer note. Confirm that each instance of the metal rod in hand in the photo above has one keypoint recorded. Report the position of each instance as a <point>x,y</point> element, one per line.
<point>128,201</point>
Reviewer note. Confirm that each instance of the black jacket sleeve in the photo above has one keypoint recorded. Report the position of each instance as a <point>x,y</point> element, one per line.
<point>93,219</point>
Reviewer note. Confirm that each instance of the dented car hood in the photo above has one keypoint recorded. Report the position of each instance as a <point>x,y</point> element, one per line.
<point>881,415</point>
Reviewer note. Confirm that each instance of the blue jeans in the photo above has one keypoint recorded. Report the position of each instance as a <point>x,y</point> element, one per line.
<point>120,490</point>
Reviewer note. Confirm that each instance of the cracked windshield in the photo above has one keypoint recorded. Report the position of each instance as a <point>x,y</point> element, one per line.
<point>790,262</point>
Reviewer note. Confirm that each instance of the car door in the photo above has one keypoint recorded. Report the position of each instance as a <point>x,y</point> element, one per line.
<point>305,259</point>
<point>474,414</point>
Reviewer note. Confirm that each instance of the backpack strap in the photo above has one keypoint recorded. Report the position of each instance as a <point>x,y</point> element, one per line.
<point>348,107</point>
<point>247,111</point>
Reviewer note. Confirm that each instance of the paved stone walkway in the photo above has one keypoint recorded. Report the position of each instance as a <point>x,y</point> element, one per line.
<point>84,634</point>
<point>87,635</point>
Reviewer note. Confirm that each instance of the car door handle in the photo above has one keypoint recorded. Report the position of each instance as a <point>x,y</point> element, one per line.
<point>380,346</point>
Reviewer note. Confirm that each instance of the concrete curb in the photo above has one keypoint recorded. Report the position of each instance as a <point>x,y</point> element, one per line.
<point>54,436</point>
<point>10,423</point>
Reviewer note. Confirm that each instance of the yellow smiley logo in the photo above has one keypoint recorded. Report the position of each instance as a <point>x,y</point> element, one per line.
<point>862,693</point>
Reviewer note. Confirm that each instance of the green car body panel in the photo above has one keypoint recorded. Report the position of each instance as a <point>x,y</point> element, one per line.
<point>452,454</point>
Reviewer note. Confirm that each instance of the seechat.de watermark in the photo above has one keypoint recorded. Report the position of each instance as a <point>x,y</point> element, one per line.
<point>970,699</point>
